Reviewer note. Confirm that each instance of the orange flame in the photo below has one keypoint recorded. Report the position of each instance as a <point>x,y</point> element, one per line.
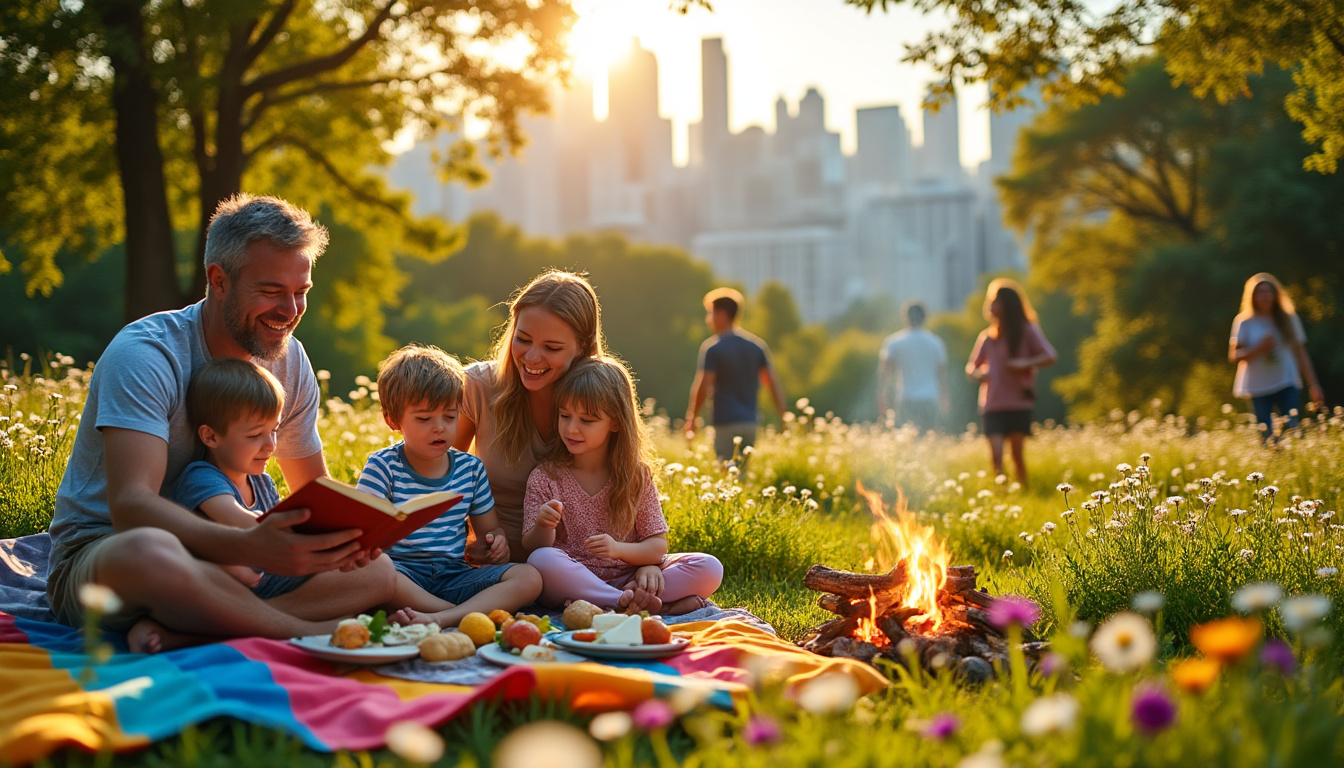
<point>868,630</point>
<point>900,539</point>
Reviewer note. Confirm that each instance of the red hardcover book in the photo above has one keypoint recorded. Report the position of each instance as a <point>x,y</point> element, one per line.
<point>335,506</point>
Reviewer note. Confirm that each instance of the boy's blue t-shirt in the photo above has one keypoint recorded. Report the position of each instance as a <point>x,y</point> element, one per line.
<point>389,475</point>
<point>201,480</point>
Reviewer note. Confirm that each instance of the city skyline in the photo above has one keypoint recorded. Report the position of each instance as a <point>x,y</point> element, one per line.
<point>853,58</point>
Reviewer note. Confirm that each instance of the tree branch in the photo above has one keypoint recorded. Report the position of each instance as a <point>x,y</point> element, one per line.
<point>267,36</point>
<point>320,64</point>
<point>318,157</point>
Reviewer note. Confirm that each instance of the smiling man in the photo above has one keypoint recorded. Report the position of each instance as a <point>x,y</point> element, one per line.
<point>113,526</point>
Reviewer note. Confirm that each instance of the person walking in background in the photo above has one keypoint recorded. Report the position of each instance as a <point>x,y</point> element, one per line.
<point>1268,346</point>
<point>915,360</point>
<point>732,366</point>
<point>1004,361</point>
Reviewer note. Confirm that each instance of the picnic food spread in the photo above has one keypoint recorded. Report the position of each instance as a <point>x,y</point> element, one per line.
<point>619,629</point>
<point>446,646</point>
<point>365,630</point>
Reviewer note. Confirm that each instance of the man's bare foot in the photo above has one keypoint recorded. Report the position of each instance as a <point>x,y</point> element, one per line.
<point>684,605</point>
<point>408,616</point>
<point>149,636</point>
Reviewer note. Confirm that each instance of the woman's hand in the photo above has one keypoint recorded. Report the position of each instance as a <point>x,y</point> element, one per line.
<point>979,374</point>
<point>1317,395</point>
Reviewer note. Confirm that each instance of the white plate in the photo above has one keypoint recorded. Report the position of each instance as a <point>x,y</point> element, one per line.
<point>321,647</point>
<point>492,653</point>
<point>620,652</point>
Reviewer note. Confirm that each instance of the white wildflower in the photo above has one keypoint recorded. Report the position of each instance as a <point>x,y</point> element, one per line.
<point>1124,642</point>
<point>1258,596</point>
<point>96,597</point>
<point>610,726</point>
<point>1327,571</point>
<point>1148,602</point>
<point>1301,611</point>
<point>1049,714</point>
<point>830,693</point>
<point>414,742</point>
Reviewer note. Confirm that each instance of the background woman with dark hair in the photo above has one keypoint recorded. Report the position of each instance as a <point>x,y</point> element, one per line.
<point>1004,361</point>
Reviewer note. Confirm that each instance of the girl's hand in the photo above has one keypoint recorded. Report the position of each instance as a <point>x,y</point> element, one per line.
<point>550,514</point>
<point>650,579</point>
<point>603,545</point>
<point>1317,396</point>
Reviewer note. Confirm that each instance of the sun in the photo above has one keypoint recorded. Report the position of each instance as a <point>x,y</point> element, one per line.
<point>599,38</point>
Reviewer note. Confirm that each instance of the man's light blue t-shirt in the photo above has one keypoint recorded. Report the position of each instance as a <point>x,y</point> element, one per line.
<point>140,383</point>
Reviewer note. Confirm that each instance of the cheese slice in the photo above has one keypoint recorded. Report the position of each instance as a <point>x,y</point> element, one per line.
<point>626,633</point>
<point>605,621</point>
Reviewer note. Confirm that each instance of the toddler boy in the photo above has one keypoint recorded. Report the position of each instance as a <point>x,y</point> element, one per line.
<point>234,407</point>
<point>420,389</point>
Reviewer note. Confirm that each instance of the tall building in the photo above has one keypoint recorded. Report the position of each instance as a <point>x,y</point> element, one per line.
<point>940,155</point>
<point>882,158</point>
<point>788,205</point>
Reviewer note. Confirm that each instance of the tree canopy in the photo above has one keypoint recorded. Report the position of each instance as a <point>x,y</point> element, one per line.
<point>129,120</point>
<point>1083,50</point>
<point>1151,209</point>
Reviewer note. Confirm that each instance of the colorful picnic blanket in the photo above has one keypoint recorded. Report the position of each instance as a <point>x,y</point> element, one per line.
<point>53,695</point>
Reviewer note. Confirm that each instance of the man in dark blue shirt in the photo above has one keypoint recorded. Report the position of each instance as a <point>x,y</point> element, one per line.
<point>732,366</point>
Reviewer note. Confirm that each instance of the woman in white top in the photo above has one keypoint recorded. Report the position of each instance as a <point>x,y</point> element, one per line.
<point>1268,347</point>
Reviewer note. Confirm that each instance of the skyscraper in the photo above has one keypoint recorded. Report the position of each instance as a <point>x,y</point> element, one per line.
<point>940,157</point>
<point>883,157</point>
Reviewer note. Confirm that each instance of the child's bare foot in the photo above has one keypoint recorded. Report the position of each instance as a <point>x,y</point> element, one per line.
<point>149,636</point>
<point>685,605</point>
<point>635,600</point>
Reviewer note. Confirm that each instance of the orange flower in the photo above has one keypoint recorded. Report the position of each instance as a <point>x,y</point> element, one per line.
<point>1226,639</point>
<point>1195,675</point>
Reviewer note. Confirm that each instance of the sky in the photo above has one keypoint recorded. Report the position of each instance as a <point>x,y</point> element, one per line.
<point>774,48</point>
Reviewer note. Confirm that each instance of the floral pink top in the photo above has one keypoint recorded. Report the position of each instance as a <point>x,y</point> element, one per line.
<point>586,516</point>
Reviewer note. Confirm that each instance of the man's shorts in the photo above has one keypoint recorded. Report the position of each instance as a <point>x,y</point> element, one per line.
<point>724,446</point>
<point>77,569</point>
<point>80,568</point>
<point>450,578</point>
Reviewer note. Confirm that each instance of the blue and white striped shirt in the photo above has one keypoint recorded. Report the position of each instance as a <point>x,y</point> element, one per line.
<point>389,475</point>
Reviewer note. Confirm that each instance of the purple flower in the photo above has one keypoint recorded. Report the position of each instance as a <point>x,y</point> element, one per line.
<point>1279,655</point>
<point>942,726</point>
<point>652,715</point>
<point>761,729</point>
<point>1011,610</point>
<point>1052,664</point>
<point>1152,710</point>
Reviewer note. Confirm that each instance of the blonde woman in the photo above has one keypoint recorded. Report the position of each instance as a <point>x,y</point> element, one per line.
<point>1004,361</point>
<point>1268,346</point>
<point>508,403</point>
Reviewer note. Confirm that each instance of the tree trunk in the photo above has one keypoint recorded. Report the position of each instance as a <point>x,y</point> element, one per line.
<point>151,264</point>
<point>222,172</point>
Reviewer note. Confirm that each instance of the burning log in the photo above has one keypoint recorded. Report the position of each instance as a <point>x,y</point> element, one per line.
<point>856,586</point>
<point>824,635</point>
<point>843,606</point>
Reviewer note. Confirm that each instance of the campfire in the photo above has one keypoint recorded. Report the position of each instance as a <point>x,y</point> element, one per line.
<point>921,608</point>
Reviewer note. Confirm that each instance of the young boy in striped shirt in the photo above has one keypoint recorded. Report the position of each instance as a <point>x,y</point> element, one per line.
<point>420,389</point>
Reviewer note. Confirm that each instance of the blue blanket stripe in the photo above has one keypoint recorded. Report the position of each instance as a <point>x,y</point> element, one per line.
<point>157,696</point>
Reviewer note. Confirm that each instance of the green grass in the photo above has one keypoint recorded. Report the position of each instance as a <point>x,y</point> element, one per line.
<point>796,505</point>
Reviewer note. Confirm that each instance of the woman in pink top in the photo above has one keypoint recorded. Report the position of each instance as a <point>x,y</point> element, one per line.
<point>592,519</point>
<point>1004,361</point>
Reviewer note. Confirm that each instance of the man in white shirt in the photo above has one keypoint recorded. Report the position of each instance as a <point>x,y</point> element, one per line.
<point>913,361</point>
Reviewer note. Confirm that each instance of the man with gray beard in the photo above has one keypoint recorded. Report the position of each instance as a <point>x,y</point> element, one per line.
<point>112,524</point>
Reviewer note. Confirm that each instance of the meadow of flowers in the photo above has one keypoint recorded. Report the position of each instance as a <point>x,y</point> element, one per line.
<point>1187,578</point>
